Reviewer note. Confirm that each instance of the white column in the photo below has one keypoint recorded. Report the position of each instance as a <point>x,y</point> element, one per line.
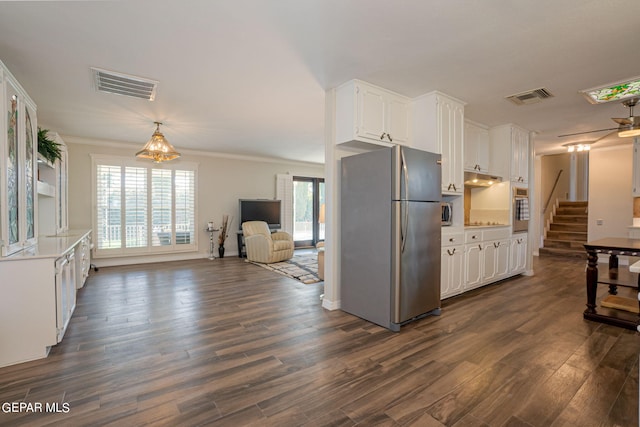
<point>331,298</point>
<point>573,176</point>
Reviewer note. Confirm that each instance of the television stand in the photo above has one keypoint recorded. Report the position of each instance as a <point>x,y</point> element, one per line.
<point>242,251</point>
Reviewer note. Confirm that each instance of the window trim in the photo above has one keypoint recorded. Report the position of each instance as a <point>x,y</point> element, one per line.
<point>123,162</point>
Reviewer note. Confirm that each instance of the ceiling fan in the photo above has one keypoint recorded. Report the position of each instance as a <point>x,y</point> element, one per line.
<point>628,126</point>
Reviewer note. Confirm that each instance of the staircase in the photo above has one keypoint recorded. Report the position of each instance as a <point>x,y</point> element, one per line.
<point>568,231</point>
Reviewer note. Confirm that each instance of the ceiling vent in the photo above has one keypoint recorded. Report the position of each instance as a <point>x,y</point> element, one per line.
<point>530,96</point>
<point>124,84</point>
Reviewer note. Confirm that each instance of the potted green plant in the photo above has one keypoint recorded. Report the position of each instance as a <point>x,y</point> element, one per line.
<point>47,147</point>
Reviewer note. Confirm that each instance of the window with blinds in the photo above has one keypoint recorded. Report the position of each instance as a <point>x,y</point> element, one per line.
<point>142,209</point>
<point>162,207</point>
<point>185,206</point>
<point>135,212</point>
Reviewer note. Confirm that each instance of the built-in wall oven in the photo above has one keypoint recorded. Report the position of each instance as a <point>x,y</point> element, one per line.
<point>520,208</point>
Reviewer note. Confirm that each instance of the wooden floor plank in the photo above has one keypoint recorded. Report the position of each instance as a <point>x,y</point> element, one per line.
<point>228,343</point>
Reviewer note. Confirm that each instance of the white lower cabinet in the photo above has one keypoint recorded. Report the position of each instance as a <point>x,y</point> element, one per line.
<point>475,260</point>
<point>65,271</point>
<point>452,271</point>
<point>452,262</point>
<point>488,256</point>
<point>39,296</point>
<point>496,260</point>
<point>83,261</point>
<point>489,266</point>
<point>518,252</point>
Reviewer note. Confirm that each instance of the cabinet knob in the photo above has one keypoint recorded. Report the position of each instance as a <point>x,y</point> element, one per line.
<point>451,239</point>
<point>474,237</point>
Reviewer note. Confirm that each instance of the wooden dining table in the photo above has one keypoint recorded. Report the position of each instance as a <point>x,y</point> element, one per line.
<point>613,277</point>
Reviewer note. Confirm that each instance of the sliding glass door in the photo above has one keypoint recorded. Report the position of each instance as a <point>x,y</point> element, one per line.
<point>308,211</point>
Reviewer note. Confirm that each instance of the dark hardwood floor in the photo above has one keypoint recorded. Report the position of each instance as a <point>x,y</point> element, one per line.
<point>228,343</point>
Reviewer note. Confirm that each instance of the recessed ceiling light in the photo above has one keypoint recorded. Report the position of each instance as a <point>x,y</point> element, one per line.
<point>613,91</point>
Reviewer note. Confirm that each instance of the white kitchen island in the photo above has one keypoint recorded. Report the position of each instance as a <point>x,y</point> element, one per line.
<point>39,294</point>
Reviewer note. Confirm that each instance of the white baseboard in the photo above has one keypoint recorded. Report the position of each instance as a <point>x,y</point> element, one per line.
<point>148,259</point>
<point>330,305</point>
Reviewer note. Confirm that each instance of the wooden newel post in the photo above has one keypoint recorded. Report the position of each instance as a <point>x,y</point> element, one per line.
<point>592,281</point>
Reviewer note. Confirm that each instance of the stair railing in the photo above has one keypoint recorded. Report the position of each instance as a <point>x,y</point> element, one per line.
<point>553,190</point>
<point>546,217</point>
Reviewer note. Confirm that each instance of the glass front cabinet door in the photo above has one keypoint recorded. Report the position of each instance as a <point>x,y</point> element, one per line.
<point>18,146</point>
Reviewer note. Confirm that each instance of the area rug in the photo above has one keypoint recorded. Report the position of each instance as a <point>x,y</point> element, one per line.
<point>303,268</point>
<point>620,303</point>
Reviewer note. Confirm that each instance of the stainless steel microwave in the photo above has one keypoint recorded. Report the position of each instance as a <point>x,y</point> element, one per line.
<point>447,213</point>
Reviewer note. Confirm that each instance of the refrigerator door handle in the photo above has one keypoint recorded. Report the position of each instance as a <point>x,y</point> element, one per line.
<point>405,176</point>
<point>405,225</point>
<point>405,220</point>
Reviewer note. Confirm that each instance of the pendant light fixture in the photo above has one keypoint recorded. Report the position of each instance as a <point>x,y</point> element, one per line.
<point>158,148</point>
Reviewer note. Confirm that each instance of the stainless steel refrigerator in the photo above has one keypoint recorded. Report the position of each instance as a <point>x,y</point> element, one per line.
<point>390,235</point>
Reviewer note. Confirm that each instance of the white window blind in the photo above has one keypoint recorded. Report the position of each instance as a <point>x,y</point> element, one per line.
<point>135,213</point>
<point>108,206</point>
<point>161,207</point>
<point>185,206</point>
<point>143,209</point>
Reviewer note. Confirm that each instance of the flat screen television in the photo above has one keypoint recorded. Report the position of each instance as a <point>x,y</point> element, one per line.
<point>260,210</point>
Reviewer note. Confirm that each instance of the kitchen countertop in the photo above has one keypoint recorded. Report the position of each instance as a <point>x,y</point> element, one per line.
<point>486,226</point>
<point>50,246</point>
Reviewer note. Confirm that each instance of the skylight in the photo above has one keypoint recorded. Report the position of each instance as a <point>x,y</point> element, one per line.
<point>613,91</point>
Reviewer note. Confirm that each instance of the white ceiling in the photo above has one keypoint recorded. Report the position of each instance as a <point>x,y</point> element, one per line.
<point>248,76</point>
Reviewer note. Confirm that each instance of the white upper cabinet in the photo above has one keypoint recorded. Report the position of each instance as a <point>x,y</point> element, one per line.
<point>367,113</point>
<point>18,155</point>
<point>519,155</point>
<point>510,153</point>
<point>438,126</point>
<point>476,147</point>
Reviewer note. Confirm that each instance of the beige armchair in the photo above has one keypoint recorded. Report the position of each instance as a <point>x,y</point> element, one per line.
<point>264,246</point>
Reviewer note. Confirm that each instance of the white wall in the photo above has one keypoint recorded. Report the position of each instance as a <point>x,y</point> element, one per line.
<point>222,180</point>
<point>551,165</point>
<point>610,186</point>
